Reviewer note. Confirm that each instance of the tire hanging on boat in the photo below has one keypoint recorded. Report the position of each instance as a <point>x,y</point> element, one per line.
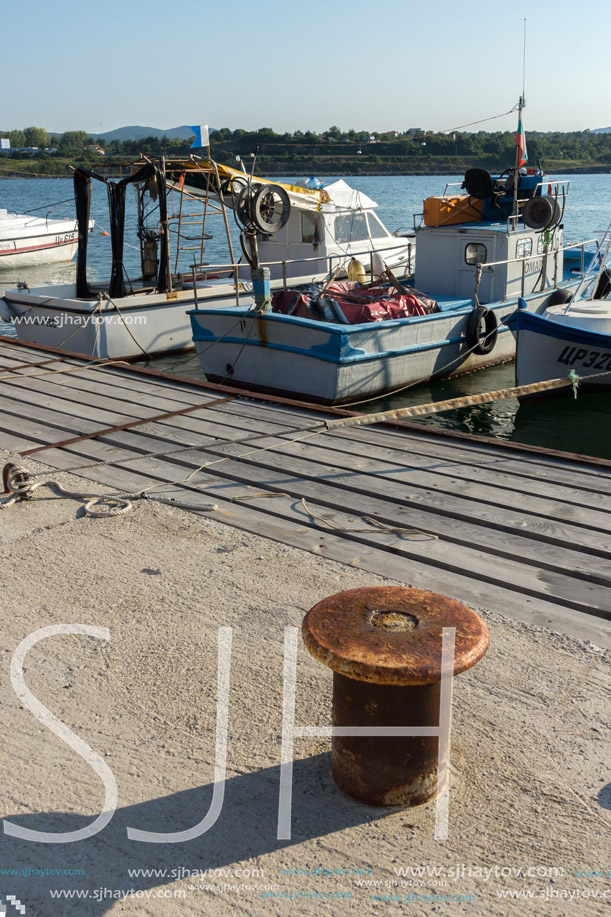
<point>556,298</point>
<point>481,340</point>
<point>603,286</point>
<point>6,315</point>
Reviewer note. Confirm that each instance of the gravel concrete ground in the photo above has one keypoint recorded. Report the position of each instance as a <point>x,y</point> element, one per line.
<point>530,743</point>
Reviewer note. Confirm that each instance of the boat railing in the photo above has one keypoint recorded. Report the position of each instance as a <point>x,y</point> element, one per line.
<point>549,187</point>
<point>489,265</point>
<point>333,261</point>
<point>553,186</point>
<point>452,184</point>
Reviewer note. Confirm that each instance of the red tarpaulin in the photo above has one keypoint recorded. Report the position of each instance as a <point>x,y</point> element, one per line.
<point>349,303</point>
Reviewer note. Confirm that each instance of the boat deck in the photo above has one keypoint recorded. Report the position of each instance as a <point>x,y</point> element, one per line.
<point>516,529</point>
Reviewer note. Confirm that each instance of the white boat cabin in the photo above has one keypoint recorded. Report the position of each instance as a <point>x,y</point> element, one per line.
<point>448,258</point>
<point>507,240</point>
<point>315,240</point>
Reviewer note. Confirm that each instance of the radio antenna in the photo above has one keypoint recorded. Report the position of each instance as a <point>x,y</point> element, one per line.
<point>524,67</point>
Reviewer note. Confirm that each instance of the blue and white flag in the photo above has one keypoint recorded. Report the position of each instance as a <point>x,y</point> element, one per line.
<point>201,135</point>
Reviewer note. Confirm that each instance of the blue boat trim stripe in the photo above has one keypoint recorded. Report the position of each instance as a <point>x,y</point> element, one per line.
<point>353,356</point>
<point>526,321</point>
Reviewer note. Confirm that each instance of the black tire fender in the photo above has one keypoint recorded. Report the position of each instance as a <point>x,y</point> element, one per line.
<point>6,315</point>
<point>481,341</point>
<point>557,298</point>
<point>603,285</point>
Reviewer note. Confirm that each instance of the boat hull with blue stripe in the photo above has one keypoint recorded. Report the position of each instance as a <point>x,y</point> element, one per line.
<point>476,272</point>
<point>337,363</point>
<point>561,341</point>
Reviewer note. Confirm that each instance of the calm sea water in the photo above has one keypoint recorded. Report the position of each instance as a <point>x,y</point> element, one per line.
<point>580,426</point>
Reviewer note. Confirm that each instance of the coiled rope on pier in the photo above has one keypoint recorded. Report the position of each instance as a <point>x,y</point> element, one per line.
<point>19,485</point>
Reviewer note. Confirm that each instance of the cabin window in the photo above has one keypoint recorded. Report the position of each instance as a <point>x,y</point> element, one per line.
<point>475,253</point>
<point>544,243</point>
<point>524,248</point>
<point>351,227</point>
<point>308,228</point>
<point>376,230</point>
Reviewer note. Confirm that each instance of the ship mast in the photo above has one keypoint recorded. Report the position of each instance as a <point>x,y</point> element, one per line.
<point>520,132</point>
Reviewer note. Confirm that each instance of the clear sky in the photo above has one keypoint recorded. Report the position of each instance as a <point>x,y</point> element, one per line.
<point>375,65</point>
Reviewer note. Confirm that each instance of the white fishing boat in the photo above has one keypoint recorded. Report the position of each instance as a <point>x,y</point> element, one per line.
<point>558,343</point>
<point>27,240</point>
<point>302,234</point>
<point>477,253</point>
<point>570,340</point>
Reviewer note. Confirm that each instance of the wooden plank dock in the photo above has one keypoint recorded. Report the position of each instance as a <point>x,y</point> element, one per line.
<point>516,529</point>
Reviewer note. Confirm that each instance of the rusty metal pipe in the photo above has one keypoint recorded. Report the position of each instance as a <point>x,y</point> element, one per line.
<point>385,770</point>
<point>384,647</point>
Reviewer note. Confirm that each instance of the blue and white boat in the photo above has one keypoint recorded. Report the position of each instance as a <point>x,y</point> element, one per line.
<point>552,345</point>
<point>478,252</point>
<point>568,340</point>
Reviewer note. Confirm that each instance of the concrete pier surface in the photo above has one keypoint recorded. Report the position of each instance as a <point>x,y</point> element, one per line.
<point>530,798</point>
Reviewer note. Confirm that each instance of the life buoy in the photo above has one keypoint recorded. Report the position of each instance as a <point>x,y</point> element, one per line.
<point>482,330</point>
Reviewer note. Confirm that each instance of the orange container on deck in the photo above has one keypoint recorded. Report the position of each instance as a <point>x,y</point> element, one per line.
<point>456,208</point>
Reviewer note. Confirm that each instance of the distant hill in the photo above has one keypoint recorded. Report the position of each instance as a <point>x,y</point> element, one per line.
<point>602,130</point>
<point>135,132</point>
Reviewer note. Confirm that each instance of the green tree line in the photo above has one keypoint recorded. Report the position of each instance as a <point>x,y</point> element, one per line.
<point>332,151</point>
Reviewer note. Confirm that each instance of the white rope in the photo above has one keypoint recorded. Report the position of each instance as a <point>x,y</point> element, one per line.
<point>19,486</point>
<point>374,524</point>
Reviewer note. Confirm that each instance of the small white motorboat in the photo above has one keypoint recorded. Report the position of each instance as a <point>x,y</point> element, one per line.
<point>27,240</point>
<point>569,340</point>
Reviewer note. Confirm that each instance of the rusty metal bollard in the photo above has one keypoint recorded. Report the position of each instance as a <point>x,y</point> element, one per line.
<point>384,647</point>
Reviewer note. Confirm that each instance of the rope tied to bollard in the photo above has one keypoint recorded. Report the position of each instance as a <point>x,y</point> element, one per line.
<point>19,486</point>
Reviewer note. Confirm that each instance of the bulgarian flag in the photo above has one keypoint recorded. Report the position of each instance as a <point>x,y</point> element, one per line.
<point>521,144</point>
